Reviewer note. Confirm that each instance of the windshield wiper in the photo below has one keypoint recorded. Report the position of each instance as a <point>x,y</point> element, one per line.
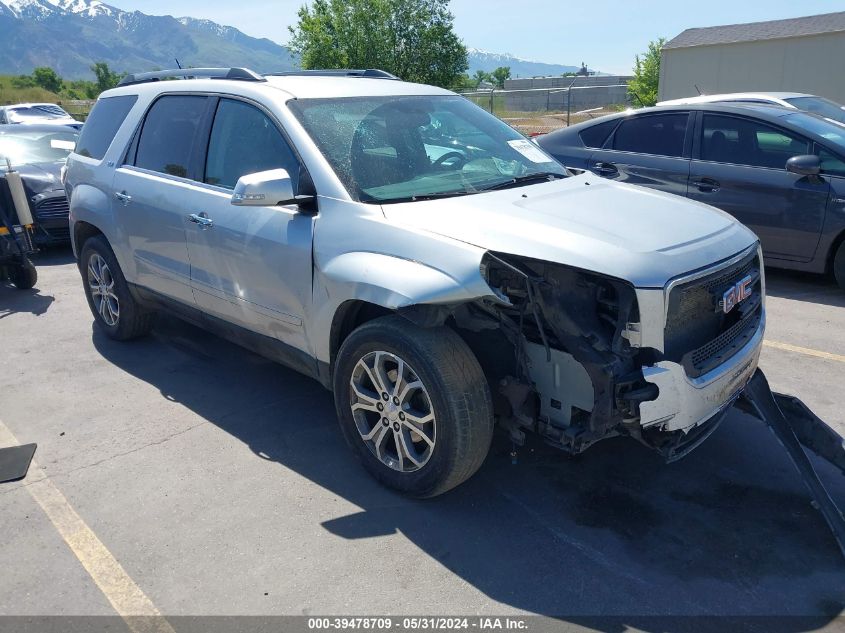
<point>425,196</point>
<point>522,180</point>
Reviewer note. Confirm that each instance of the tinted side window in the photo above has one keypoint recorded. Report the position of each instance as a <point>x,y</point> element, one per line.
<point>596,135</point>
<point>746,142</point>
<point>245,141</point>
<point>661,135</point>
<point>102,124</point>
<point>169,136</point>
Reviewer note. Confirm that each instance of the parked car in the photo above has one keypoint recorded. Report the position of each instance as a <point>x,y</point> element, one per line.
<point>39,152</point>
<point>318,220</point>
<point>780,172</point>
<point>37,113</point>
<point>792,100</point>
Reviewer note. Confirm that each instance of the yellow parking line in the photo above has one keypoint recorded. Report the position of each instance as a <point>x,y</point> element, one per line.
<point>804,350</point>
<point>137,610</point>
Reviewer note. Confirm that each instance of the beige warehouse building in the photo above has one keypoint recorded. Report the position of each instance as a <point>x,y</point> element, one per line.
<point>797,55</point>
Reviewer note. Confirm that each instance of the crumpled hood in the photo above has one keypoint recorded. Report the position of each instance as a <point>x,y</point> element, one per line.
<point>627,232</point>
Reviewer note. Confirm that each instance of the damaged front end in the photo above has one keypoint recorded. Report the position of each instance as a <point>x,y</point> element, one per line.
<point>571,357</point>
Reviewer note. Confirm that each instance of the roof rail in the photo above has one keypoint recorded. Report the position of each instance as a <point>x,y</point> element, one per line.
<point>237,74</point>
<point>369,73</point>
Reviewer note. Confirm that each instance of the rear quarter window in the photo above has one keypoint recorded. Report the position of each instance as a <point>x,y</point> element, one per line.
<point>102,124</point>
<point>655,134</point>
<point>595,136</point>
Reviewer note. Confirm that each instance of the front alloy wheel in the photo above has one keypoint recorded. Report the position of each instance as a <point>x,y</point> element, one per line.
<point>414,405</point>
<point>393,411</point>
<point>101,284</point>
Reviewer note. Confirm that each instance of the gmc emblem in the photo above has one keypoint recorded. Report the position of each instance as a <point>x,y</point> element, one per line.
<point>737,293</point>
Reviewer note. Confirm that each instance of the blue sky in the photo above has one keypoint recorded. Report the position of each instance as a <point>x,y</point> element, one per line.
<point>606,35</point>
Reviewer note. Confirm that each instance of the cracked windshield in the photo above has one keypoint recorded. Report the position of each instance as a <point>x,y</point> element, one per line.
<point>388,149</point>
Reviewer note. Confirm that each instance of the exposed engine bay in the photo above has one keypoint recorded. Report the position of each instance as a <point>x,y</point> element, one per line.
<point>556,347</point>
<point>573,377</point>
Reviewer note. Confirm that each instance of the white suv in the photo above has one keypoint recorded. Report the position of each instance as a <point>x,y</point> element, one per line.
<point>435,269</point>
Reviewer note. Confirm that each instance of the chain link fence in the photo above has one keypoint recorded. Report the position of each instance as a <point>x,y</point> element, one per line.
<point>535,111</point>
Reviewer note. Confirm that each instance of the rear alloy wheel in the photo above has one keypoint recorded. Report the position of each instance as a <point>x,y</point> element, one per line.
<point>114,308</point>
<point>414,404</point>
<point>101,287</point>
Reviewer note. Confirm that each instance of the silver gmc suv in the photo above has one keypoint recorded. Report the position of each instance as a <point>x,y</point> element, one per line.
<point>436,270</point>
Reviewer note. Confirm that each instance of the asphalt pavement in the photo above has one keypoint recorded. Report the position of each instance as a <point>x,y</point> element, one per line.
<point>218,483</point>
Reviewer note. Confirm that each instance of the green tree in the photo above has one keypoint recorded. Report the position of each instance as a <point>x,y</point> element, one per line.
<point>23,81</point>
<point>106,77</point>
<point>464,83</point>
<point>47,78</point>
<point>643,87</point>
<point>81,89</point>
<point>479,77</point>
<point>413,39</point>
<point>499,76</point>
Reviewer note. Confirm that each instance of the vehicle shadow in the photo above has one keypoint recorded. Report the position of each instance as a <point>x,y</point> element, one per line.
<point>53,255</point>
<point>14,301</point>
<point>800,286</point>
<point>728,531</point>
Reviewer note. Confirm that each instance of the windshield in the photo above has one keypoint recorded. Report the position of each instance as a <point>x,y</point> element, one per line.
<point>35,146</point>
<point>393,149</point>
<point>819,105</point>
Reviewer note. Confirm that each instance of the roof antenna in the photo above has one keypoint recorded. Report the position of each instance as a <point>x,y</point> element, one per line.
<point>179,66</point>
<point>695,85</point>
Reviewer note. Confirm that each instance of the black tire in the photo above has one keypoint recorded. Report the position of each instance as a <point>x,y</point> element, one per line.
<point>839,265</point>
<point>459,397</point>
<point>133,320</point>
<point>24,276</point>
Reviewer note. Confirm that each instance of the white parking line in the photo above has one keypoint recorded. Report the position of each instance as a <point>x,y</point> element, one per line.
<point>786,347</point>
<point>136,609</point>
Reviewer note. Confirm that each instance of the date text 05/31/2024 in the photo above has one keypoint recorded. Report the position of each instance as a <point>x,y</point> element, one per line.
<point>478,623</point>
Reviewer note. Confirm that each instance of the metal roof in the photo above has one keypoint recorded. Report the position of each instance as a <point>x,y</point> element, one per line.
<point>756,31</point>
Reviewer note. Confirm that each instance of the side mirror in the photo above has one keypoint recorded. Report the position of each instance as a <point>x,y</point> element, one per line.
<point>804,165</point>
<point>264,189</point>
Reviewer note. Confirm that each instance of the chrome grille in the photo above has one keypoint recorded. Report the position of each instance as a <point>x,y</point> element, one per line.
<point>698,334</point>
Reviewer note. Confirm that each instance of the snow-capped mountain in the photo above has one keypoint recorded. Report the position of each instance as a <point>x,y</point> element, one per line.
<point>71,35</point>
<point>42,9</point>
<point>488,62</point>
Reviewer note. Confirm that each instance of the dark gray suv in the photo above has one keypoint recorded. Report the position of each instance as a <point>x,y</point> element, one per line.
<point>780,172</point>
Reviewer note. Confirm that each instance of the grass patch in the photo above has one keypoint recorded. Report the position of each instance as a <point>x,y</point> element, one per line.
<point>9,94</point>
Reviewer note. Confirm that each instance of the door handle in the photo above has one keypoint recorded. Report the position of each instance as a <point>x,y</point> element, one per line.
<point>707,185</point>
<point>606,169</point>
<point>123,197</point>
<point>202,219</point>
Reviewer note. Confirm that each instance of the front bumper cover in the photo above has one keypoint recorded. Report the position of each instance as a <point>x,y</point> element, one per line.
<point>685,403</point>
